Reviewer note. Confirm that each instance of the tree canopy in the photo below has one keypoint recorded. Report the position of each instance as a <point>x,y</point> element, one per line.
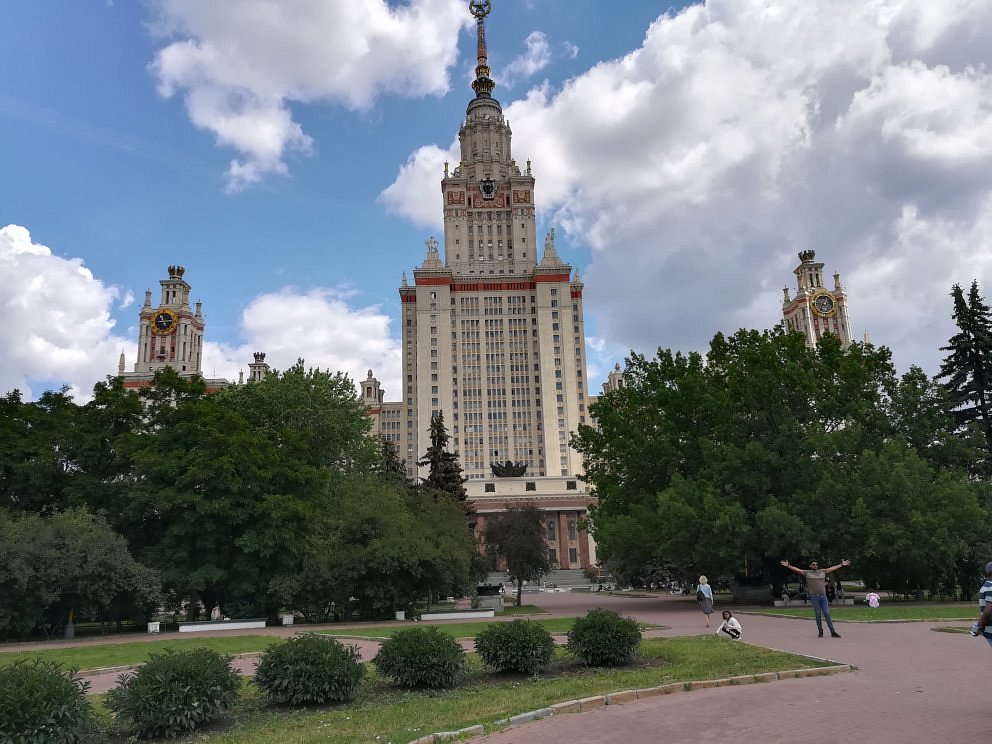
<point>727,462</point>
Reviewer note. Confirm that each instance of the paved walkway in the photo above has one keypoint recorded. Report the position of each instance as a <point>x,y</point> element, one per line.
<point>913,686</point>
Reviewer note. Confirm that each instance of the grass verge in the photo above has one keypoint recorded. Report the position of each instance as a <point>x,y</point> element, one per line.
<point>382,713</point>
<point>961,611</point>
<point>458,630</point>
<point>121,654</point>
<point>524,610</point>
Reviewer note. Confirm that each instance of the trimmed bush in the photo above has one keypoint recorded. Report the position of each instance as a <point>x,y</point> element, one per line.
<point>40,702</point>
<point>603,638</point>
<point>174,692</point>
<point>518,646</point>
<point>310,669</point>
<point>421,657</point>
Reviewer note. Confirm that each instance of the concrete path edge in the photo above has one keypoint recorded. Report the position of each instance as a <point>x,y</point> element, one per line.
<point>626,696</point>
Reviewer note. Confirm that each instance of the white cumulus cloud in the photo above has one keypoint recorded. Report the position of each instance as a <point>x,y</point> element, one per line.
<point>241,64</point>
<point>742,131</point>
<point>57,328</point>
<point>319,325</point>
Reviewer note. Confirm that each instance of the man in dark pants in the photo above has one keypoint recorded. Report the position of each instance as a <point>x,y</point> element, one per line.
<point>816,586</point>
<point>984,625</point>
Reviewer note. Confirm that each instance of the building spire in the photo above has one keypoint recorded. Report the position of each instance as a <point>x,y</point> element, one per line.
<point>483,84</point>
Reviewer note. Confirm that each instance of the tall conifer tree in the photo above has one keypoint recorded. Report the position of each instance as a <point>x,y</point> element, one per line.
<point>445,473</point>
<point>967,369</point>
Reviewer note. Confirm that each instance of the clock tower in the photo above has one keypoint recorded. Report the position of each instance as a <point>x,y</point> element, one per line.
<point>816,310</point>
<point>169,334</point>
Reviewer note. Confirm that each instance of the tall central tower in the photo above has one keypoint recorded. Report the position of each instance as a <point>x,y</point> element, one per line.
<point>493,333</point>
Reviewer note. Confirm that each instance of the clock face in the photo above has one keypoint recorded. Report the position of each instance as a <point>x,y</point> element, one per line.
<point>488,188</point>
<point>824,304</point>
<point>163,322</point>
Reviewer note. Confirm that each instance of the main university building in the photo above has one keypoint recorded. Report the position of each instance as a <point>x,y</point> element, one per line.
<point>493,337</point>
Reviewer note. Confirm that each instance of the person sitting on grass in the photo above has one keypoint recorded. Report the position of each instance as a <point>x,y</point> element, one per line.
<point>729,627</point>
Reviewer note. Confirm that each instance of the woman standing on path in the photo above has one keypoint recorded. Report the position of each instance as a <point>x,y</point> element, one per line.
<point>704,595</point>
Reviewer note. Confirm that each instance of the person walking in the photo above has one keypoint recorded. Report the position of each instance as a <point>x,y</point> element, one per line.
<point>730,627</point>
<point>984,625</point>
<point>704,595</point>
<point>816,580</point>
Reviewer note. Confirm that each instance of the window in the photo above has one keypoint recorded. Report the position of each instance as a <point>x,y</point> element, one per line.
<point>570,485</point>
<point>530,486</point>
<point>572,531</point>
<point>550,529</point>
<point>573,555</point>
<point>490,488</point>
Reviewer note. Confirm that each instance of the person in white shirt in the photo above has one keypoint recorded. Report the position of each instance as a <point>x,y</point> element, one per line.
<point>729,627</point>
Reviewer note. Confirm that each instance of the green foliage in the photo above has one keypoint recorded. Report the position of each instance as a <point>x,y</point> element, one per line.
<point>517,536</point>
<point>174,692</point>
<point>42,704</point>
<point>517,646</point>
<point>445,474</point>
<point>750,453</point>
<point>69,561</point>
<point>604,638</point>
<point>967,369</point>
<point>421,657</point>
<point>310,669</point>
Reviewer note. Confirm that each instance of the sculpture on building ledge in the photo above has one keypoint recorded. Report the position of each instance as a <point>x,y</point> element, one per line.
<point>508,469</point>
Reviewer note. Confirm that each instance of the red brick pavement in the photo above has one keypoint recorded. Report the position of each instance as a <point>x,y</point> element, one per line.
<point>913,686</point>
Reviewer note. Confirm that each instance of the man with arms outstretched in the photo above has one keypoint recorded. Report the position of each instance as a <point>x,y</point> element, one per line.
<point>816,588</point>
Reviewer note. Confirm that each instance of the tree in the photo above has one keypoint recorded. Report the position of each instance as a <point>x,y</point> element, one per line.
<point>517,536</point>
<point>58,565</point>
<point>967,369</point>
<point>717,463</point>
<point>445,474</point>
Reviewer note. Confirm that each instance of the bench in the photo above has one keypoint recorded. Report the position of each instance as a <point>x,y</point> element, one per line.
<point>199,627</point>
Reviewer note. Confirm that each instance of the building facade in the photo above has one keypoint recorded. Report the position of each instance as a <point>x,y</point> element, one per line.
<point>493,337</point>
<point>170,334</point>
<point>816,309</point>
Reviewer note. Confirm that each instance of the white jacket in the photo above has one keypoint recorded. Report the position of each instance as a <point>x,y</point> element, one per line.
<point>730,628</point>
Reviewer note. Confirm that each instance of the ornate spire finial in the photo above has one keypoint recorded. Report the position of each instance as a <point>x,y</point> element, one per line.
<point>483,84</point>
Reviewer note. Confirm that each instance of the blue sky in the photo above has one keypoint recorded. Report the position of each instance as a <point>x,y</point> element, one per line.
<point>683,158</point>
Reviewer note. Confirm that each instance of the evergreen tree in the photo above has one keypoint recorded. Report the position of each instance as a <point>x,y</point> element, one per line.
<point>967,369</point>
<point>445,473</point>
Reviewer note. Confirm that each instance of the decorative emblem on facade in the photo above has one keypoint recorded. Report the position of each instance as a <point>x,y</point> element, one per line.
<point>508,469</point>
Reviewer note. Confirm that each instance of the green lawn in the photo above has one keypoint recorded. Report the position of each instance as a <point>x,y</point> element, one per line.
<point>959,611</point>
<point>458,630</point>
<point>524,610</point>
<point>93,656</point>
<point>382,714</point>
<point>119,654</point>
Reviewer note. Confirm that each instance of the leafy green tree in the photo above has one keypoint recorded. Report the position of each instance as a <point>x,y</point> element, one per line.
<point>517,536</point>
<point>967,369</point>
<point>67,563</point>
<point>719,463</point>
<point>445,473</point>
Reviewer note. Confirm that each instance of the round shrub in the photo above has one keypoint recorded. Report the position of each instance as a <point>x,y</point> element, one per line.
<point>41,702</point>
<point>174,692</point>
<point>603,638</point>
<point>518,646</point>
<point>309,669</point>
<point>421,657</point>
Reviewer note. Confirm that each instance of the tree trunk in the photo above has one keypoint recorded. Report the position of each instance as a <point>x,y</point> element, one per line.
<point>520,590</point>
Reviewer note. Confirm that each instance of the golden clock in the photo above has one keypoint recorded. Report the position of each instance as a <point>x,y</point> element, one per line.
<point>824,304</point>
<point>164,322</point>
